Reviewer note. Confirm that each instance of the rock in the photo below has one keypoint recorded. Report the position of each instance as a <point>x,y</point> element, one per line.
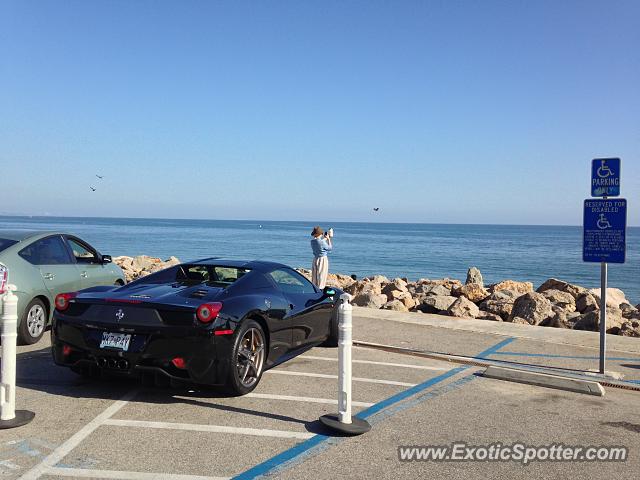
<point>482,315</point>
<point>564,300</point>
<point>436,303</point>
<point>395,289</point>
<point>464,308</point>
<point>630,329</point>
<point>473,291</point>
<point>591,321</point>
<point>585,302</point>
<point>571,319</point>
<point>363,286</point>
<point>433,290</point>
<point>615,296</point>
<point>171,261</point>
<point>520,320</point>
<point>396,305</point>
<point>520,287</point>
<point>474,276</point>
<point>142,265</point>
<point>555,284</point>
<point>378,279</point>
<point>498,307</point>
<point>533,307</point>
<point>559,320</point>
<point>144,262</point>
<point>447,283</point>
<point>369,299</point>
<point>629,311</point>
<point>504,295</point>
<point>408,301</point>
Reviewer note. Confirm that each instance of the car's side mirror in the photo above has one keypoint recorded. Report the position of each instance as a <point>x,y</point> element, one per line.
<point>329,291</point>
<point>106,259</point>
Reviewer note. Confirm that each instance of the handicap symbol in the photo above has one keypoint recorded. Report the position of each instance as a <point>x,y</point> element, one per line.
<point>604,171</point>
<point>603,223</point>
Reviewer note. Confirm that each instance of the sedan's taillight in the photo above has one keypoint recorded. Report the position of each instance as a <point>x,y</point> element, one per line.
<point>4,276</point>
<point>207,312</point>
<point>63,299</point>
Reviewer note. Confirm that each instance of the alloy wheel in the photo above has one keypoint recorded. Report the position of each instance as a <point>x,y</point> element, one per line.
<point>250,357</point>
<point>36,321</point>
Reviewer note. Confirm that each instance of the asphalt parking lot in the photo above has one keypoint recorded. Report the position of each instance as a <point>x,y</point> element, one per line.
<point>112,428</point>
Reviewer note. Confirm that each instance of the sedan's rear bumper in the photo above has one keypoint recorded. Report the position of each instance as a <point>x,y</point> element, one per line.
<point>150,350</point>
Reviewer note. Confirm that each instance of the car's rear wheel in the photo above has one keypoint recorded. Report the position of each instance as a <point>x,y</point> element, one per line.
<point>247,358</point>
<point>33,322</point>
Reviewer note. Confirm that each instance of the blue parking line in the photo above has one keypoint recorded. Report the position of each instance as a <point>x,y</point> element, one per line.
<point>319,442</point>
<point>576,357</point>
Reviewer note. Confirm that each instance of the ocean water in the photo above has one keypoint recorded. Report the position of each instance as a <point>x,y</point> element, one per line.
<point>525,253</point>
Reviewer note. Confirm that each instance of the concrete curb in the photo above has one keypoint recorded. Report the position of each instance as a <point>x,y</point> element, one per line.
<point>545,380</point>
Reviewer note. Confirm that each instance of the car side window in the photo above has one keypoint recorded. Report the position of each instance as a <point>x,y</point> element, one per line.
<point>82,253</point>
<point>47,251</point>
<point>292,282</point>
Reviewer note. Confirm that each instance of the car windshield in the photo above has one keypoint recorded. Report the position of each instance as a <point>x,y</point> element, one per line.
<point>6,243</point>
<point>217,275</point>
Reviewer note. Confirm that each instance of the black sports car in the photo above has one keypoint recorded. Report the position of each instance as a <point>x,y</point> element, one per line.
<point>212,321</point>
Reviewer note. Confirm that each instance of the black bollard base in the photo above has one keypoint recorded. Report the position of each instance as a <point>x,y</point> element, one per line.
<point>22,418</point>
<point>356,427</point>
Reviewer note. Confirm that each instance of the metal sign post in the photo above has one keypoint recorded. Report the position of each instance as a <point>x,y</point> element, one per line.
<point>604,232</point>
<point>603,315</point>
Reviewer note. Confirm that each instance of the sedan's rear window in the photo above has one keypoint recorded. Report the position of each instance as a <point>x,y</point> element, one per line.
<point>6,243</point>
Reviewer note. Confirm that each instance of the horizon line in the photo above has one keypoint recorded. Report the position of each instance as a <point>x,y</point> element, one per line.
<point>298,221</point>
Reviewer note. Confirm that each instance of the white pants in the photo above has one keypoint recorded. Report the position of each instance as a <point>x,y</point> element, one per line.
<point>320,271</point>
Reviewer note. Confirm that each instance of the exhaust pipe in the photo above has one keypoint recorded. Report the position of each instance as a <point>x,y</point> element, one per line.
<point>123,365</point>
<point>102,362</point>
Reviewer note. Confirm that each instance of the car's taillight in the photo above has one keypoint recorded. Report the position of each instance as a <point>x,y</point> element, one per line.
<point>4,276</point>
<point>207,312</point>
<point>63,299</point>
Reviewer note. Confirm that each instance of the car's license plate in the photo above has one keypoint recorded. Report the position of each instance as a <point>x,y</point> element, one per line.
<point>115,340</point>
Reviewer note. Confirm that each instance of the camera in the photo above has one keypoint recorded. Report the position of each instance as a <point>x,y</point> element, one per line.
<point>329,233</point>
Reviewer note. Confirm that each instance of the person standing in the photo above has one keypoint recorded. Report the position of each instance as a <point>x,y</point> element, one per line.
<point>321,245</point>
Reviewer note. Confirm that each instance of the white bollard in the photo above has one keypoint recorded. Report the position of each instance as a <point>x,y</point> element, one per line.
<point>9,417</point>
<point>343,422</point>
<point>345,327</point>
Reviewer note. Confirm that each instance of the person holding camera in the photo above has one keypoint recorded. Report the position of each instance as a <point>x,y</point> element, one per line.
<point>321,245</point>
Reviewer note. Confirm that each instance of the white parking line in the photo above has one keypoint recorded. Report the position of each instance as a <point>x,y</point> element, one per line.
<point>64,449</point>
<point>89,473</point>
<point>329,401</point>
<point>258,432</point>
<point>355,379</point>
<point>371,362</point>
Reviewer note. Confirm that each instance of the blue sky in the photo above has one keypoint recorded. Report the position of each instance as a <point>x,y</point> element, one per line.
<point>434,111</point>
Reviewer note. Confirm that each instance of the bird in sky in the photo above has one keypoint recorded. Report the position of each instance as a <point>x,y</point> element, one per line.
<point>100,177</point>
<point>92,189</point>
<point>376,209</point>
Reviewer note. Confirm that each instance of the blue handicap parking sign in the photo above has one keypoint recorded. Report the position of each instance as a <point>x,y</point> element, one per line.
<point>605,223</point>
<point>605,177</point>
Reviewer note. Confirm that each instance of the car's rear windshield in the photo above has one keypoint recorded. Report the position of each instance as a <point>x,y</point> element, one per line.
<point>6,243</point>
<point>218,275</point>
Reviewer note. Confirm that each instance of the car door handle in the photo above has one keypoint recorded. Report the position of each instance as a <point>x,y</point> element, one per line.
<point>49,276</point>
<point>84,274</point>
<point>292,306</point>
